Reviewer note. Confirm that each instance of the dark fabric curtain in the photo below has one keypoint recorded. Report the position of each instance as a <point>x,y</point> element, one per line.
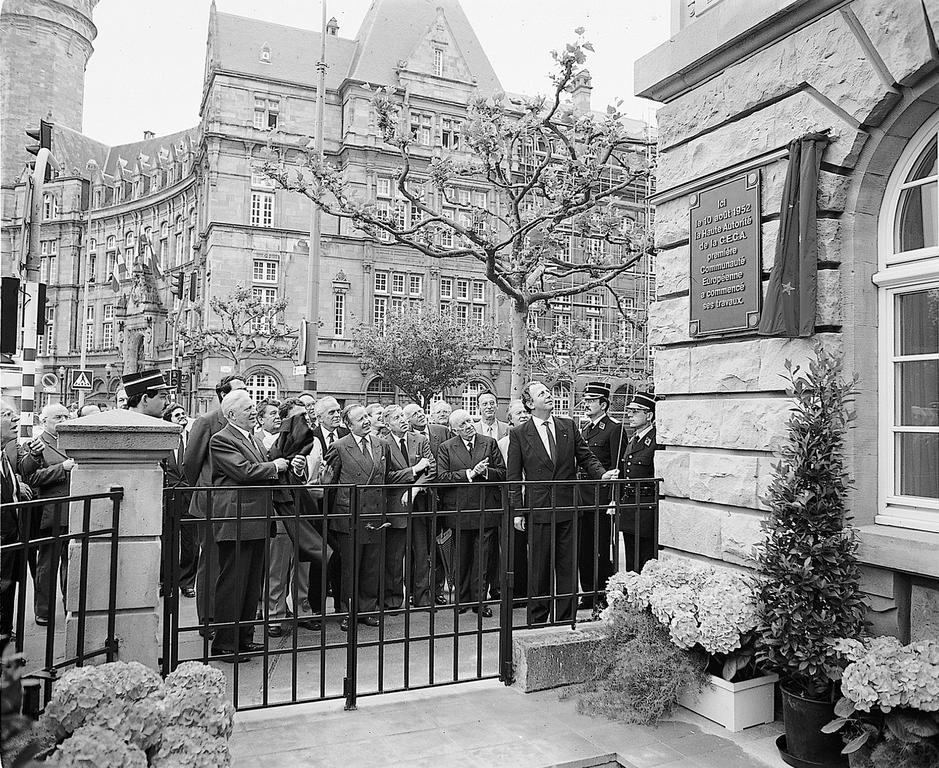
<point>789,309</point>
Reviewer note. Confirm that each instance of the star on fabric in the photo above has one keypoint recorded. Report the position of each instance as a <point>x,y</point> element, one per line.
<point>787,288</point>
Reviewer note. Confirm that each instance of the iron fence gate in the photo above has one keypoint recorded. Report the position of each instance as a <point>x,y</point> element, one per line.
<point>372,636</point>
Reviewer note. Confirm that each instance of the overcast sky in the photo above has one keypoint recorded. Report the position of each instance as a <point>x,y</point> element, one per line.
<point>146,71</point>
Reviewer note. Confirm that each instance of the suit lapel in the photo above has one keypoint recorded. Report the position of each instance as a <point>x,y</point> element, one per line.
<point>535,441</point>
<point>356,453</point>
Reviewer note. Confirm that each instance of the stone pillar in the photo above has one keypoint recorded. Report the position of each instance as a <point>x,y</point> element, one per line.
<point>119,448</point>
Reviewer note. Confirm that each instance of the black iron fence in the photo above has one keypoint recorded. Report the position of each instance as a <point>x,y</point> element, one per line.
<point>428,589</point>
<point>35,568</point>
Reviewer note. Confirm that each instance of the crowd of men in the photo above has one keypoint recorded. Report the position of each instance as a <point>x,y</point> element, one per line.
<point>271,534</point>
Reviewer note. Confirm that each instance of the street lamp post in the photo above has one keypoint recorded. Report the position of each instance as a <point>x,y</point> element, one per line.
<point>108,375</point>
<point>62,371</point>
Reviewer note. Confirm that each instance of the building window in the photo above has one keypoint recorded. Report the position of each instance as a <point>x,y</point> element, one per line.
<point>422,128</point>
<point>416,285</point>
<point>46,343</point>
<point>339,314</point>
<point>383,187</point>
<point>128,239</point>
<point>111,243</point>
<point>262,209</point>
<point>380,391</point>
<point>462,313</point>
<point>50,207</point>
<point>450,133</point>
<point>264,56</point>
<point>462,290</point>
<point>563,401</point>
<point>266,113</point>
<point>470,395</point>
<point>478,315</point>
<point>265,271</point>
<point>438,62</point>
<point>107,335</point>
<point>909,338</point>
<point>261,324</point>
<point>90,336</point>
<point>381,282</point>
<point>446,287</point>
<point>479,290</point>
<point>397,283</point>
<point>48,251</point>
<point>261,386</point>
<point>379,311</point>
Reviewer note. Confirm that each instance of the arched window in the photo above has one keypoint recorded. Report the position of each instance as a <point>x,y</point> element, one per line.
<point>380,391</point>
<point>129,239</point>
<point>563,399</point>
<point>468,399</point>
<point>261,386</point>
<point>909,337</point>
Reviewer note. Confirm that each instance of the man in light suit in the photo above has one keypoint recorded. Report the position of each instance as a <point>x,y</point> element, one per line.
<point>467,458</point>
<point>239,458</point>
<point>407,449</point>
<point>549,447</point>
<point>197,465</point>
<point>362,459</point>
<point>423,529</point>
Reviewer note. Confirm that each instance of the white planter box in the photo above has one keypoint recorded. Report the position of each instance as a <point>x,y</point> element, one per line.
<point>734,705</point>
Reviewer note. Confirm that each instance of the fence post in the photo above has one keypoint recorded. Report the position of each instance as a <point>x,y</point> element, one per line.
<point>118,448</point>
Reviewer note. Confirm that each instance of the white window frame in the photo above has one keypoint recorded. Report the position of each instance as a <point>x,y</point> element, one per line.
<point>265,271</point>
<point>262,209</point>
<point>446,288</point>
<point>397,283</point>
<point>469,397</point>
<point>262,386</point>
<point>438,62</point>
<point>415,285</point>
<point>339,315</point>
<point>900,273</point>
<point>381,282</point>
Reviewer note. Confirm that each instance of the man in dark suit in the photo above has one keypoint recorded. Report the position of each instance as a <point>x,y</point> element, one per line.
<point>604,438</point>
<point>637,463</point>
<point>550,448</point>
<point>46,469</point>
<point>423,529</point>
<point>467,458</point>
<point>362,459</point>
<point>174,478</point>
<point>197,463</point>
<point>11,492</point>
<point>238,458</point>
<point>407,449</point>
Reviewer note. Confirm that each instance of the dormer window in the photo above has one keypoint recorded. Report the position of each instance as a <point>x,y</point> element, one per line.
<point>265,56</point>
<point>438,62</point>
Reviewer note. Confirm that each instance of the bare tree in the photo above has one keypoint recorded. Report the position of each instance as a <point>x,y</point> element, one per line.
<point>553,174</point>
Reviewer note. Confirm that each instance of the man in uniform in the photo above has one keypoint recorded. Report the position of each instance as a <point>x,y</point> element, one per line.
<point>637,463</point>
<point>603,436</point>
<point>146,393</point>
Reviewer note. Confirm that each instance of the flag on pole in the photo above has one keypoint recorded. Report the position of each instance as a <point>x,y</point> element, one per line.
<point>789,308</point>
<point>145,246</point>
<point>115,285</point>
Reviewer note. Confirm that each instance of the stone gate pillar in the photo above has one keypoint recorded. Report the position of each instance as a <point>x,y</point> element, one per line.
<point>119,448</point>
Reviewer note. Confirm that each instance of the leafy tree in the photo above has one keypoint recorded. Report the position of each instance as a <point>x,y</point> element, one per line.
<point>248,328</point>
<point>552,173</point>
<point>421,351</point>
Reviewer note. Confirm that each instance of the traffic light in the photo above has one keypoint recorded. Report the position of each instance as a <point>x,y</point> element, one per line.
<point>42,136</point>
<point>179,283</point>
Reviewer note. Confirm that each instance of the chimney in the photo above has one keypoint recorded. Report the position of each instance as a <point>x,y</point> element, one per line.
<point>581,86</point>
<point>148,134</point>
<point>332,27</point>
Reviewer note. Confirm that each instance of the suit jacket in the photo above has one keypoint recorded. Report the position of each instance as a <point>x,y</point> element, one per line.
<point>239,460</point>
<point>44,472</point>
<point>637,463</point>
<point>528,459</point>
<point>606,441</point>
<point>347,465</point>
<point>502,428</point>
<point>10,492</point>
<point>418,447</point>
<point>452,463</point>
<point>197,462</point>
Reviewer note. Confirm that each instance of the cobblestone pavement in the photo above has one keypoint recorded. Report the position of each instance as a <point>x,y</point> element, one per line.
<point>486,724</point>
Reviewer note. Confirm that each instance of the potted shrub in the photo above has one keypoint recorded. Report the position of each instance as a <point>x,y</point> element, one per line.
<point>809,576</point>
<point>711,612</point>
<point>889,710</point>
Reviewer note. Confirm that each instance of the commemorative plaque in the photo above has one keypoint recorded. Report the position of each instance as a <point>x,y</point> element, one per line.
<point>725,289</point>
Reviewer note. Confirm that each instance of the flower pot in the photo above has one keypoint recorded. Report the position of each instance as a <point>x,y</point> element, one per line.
<point>734,705</point>
<point>804,719</point>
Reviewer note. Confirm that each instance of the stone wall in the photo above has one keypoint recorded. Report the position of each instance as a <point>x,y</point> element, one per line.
<point>847,72</point>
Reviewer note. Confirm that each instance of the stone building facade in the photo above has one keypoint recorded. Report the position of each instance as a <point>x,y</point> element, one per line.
<point>200,199</point>
<point>739,80</point>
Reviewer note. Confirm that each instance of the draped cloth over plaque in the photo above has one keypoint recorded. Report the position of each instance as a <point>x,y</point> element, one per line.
<point>789,308</point>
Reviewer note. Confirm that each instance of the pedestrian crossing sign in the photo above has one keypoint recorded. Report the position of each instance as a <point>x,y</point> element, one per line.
<point>81,378</point>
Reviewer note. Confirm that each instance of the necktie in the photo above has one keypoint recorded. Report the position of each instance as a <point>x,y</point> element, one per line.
<point>330,439</point>
<point>404,449</point>
<point>552,445</point>
<point>366,450</point>
<point>469,446</point>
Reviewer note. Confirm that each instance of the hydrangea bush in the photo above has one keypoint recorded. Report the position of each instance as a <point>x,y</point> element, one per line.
<point>889,710</point>
<point>124,714</point>
<point>700,606</point>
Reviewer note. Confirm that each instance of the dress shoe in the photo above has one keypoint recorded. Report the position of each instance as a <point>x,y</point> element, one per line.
<point>228,656</point>
<point>485,612</point>
<point>188,592</point>
<point>441,600</point>
<point>311,624</point>
<point>42,621</point>
<point>251,647</point>
<point>369,621</point>
<point>344,625</point>
<point>276,631</point>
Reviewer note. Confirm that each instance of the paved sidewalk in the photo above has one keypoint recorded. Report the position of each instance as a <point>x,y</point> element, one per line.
<point>486,724</point>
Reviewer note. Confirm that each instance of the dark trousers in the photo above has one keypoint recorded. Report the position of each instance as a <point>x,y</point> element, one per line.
<point>494,569</point>
<point>238,589</point>
<point>206,572</point>
<point>188,555</point>
<point>472,557</point>
<point>11,573</point>
<point>519,563</point>
<point>423,548</point>
<point>565,573</point>
<point>647,551</point>
<point>49,564</point>
<point>395,549</point>
<point>595,536</point>
<point>308,532</point>
<point>369,562</point>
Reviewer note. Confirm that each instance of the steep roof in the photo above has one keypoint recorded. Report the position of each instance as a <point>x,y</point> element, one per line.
<point>149,147</point>
<point>392,29</point>
<point>73,150</point>
<point>238,41</point>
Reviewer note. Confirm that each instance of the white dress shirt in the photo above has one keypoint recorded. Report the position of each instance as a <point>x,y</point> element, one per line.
<point>543,433</point>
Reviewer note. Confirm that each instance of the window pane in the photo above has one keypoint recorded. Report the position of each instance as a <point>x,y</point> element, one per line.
<point>916,220</point>
<point>918,394</point>
<point>918,323</point>
<point>917,458</point>
<point>926,164</point>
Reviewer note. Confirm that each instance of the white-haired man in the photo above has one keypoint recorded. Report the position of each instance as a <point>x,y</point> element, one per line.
<point>440,411</point>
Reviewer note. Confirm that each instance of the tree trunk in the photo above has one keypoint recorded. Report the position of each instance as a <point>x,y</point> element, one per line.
<point>519,325</point>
